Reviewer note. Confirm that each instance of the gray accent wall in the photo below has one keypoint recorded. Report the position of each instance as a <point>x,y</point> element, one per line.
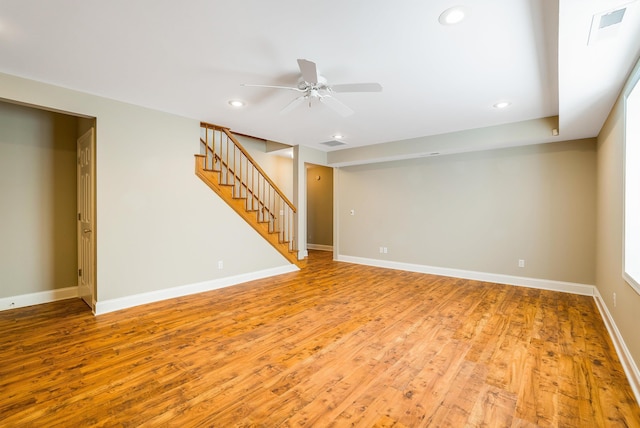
<point>480,211</point>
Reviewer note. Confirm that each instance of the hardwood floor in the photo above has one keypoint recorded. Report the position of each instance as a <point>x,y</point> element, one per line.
<point>333,345</point>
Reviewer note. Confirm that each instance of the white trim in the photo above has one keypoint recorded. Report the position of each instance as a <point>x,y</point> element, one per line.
<point>320,247</point>
<point>38,298</point>
<point>106,306</point>
<point>544,284</point>
<point>626,359</point>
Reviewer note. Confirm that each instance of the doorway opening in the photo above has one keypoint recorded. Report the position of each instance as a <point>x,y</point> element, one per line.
<point>319,207</point>
<point>38,165</point>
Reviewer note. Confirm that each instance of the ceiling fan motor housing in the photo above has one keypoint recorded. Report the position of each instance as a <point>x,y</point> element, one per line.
<point>320,85</point>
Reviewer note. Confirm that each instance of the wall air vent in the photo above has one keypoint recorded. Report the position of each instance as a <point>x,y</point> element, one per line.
<point>333,143</point>
<point>612,18</point>
<point>605,25</point>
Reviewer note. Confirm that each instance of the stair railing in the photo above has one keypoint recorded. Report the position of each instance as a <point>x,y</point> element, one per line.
<point>224,154</point>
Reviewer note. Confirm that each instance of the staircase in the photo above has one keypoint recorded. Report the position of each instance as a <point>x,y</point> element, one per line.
<point>228,169</point>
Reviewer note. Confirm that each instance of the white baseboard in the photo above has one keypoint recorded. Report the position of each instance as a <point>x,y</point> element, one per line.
<point>627,361</point>
<point>544,284</point>
<point>106,306</point>
<point>320,247</point>
<point>37,298</point>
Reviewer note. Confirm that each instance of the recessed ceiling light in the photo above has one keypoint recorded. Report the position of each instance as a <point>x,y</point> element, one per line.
<point>338,136</point>
<point>452,16</point>
<point>236,103</point>
<point>502,104</point>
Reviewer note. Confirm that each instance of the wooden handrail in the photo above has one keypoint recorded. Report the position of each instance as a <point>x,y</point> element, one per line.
<point>253,162</point>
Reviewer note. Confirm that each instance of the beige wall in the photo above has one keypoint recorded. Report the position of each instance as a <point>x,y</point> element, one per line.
<point>610,231</point>
<point>38,200</point>
<point>479,211</point>
<point>319,205</point>
<point>158,225</point>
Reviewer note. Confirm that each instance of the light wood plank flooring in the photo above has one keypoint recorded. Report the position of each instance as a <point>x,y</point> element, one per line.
<point>333,345</point>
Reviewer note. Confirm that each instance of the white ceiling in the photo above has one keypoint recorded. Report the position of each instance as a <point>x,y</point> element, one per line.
<point>190,58</point>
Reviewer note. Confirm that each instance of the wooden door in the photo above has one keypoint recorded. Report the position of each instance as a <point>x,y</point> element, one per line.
<point>86,218</point>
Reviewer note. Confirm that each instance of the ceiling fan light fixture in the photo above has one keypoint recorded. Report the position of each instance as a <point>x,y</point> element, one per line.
<point>236,103</point>
<point>452,16</point>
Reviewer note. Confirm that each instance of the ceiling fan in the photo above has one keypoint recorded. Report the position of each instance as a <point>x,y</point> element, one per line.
<point>314,86</point>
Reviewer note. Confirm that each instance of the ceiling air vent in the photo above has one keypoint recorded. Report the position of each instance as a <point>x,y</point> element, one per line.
<point>605,25</point>
<point>334,143</point>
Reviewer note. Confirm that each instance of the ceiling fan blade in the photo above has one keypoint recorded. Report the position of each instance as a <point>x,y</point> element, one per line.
<point>357,87</point>
<point>309,70</point>
<point>291,88</point>
<point>293,104</point>
<point>336,105</point>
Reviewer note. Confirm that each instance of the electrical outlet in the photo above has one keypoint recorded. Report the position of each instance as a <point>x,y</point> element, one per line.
<point>384,250</point>
<point>352,212</point>
<point>615,302</point>
<point>220,264</point>
<point>521,263</point>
